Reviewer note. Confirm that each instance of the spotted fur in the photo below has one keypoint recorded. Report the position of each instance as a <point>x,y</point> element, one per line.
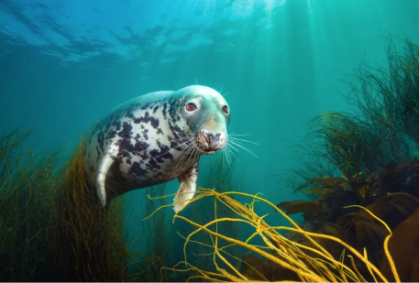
<point>146,141</point>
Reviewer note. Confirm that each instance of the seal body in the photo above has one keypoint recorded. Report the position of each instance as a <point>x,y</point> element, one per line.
<point>155,138</point>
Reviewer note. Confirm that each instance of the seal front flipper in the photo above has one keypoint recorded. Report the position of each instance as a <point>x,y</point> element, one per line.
<point>187,187</point>
<point>106,161</point>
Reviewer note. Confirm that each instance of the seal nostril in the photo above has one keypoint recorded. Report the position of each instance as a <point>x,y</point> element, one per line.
<point>210,138</point>
<point>217,138</point>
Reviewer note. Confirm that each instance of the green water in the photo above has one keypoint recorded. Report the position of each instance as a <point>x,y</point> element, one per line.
<point>278,63</point>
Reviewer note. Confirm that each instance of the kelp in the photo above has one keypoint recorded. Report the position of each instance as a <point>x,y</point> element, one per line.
<point>308,208</point>
<point>51,227</point>
<point>220,177</point>
<point>353,225</point>
<point>382,128</point>
<point>363,231</point>
<point>278,258</point>
<point>350,143</point>
<point>26,182</point>
<point>389,96</point>
<point>404,247</point>
<point>400,177</point>
<point>364,159</point>
<point>88,244</point>
<point>155,232</point>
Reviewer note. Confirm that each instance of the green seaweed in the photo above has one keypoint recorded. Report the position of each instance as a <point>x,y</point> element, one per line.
<point>51,228</point>
<point>364,158</point>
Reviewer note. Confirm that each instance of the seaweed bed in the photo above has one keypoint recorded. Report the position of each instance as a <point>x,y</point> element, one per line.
<point>368,158</point>
<point>361,218</point>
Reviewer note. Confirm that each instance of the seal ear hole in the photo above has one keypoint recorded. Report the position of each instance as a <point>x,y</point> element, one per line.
<point>225,109</point>
<point>190,106</point>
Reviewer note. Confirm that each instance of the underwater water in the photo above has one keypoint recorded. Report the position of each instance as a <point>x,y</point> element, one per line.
<point>64,65</point>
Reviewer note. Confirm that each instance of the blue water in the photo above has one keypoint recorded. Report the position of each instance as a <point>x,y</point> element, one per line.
<point>66,64</point>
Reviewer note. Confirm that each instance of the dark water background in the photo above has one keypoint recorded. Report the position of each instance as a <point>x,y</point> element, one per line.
<point>65,64</point>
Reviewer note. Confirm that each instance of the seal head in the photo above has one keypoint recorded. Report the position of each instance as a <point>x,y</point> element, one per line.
<point>155,138</point>
<point>207,115</point>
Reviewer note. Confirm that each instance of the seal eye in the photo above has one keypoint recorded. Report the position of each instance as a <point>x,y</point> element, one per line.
<point>225,109</point>
<point>190,106</point>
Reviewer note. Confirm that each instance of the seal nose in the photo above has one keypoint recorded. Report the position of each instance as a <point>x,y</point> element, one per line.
<point>213,140</point>
<point>209,142</point>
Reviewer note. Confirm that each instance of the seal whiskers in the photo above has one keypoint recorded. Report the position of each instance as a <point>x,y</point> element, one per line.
<point>242,140</point>
<point>184,154</point>
<point>235,144</point>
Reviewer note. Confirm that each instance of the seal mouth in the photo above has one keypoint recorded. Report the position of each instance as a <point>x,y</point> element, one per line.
<point>203,147</point>
<point>207,151</point>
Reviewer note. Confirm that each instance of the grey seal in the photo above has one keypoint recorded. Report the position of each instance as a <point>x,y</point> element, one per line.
<point>155,138</point>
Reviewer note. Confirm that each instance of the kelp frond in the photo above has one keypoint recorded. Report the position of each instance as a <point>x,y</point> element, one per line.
<point>281,258</point>
<point>88,243</point>
<point>51,229</point>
